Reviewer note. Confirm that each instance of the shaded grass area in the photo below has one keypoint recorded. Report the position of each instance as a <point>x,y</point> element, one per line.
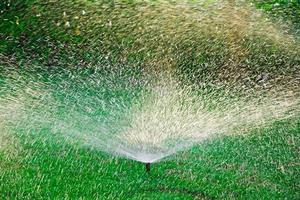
<point>262,165</point>
<point>285,9</point>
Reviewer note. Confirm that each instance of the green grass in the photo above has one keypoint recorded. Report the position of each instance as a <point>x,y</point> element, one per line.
<point>284,9</point>
<point>262,165</point>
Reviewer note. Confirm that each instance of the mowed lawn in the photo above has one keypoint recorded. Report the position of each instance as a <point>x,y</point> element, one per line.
<point>261,165</point>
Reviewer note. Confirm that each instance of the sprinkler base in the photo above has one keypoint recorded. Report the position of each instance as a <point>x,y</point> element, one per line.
<point>147,167</point>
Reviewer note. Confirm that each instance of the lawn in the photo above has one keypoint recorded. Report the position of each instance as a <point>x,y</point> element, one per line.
<point>261,165</point>
<point>82,62</point>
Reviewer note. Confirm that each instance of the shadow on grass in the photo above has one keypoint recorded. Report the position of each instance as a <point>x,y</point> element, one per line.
<point>193,193</point>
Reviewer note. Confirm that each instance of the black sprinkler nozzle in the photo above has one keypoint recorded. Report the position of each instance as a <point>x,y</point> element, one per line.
<point>147,167</point>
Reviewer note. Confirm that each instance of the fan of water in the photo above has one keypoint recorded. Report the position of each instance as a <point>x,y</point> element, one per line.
<point>133,117</point>
<point>154,78</point>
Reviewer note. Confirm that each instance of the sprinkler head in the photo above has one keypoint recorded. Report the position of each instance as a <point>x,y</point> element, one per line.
<point>147,167</point>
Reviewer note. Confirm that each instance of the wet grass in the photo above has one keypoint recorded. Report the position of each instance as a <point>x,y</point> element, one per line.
<point>262,165</point>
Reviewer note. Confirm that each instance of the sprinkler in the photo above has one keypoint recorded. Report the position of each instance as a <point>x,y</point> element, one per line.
<point>147,167</point>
